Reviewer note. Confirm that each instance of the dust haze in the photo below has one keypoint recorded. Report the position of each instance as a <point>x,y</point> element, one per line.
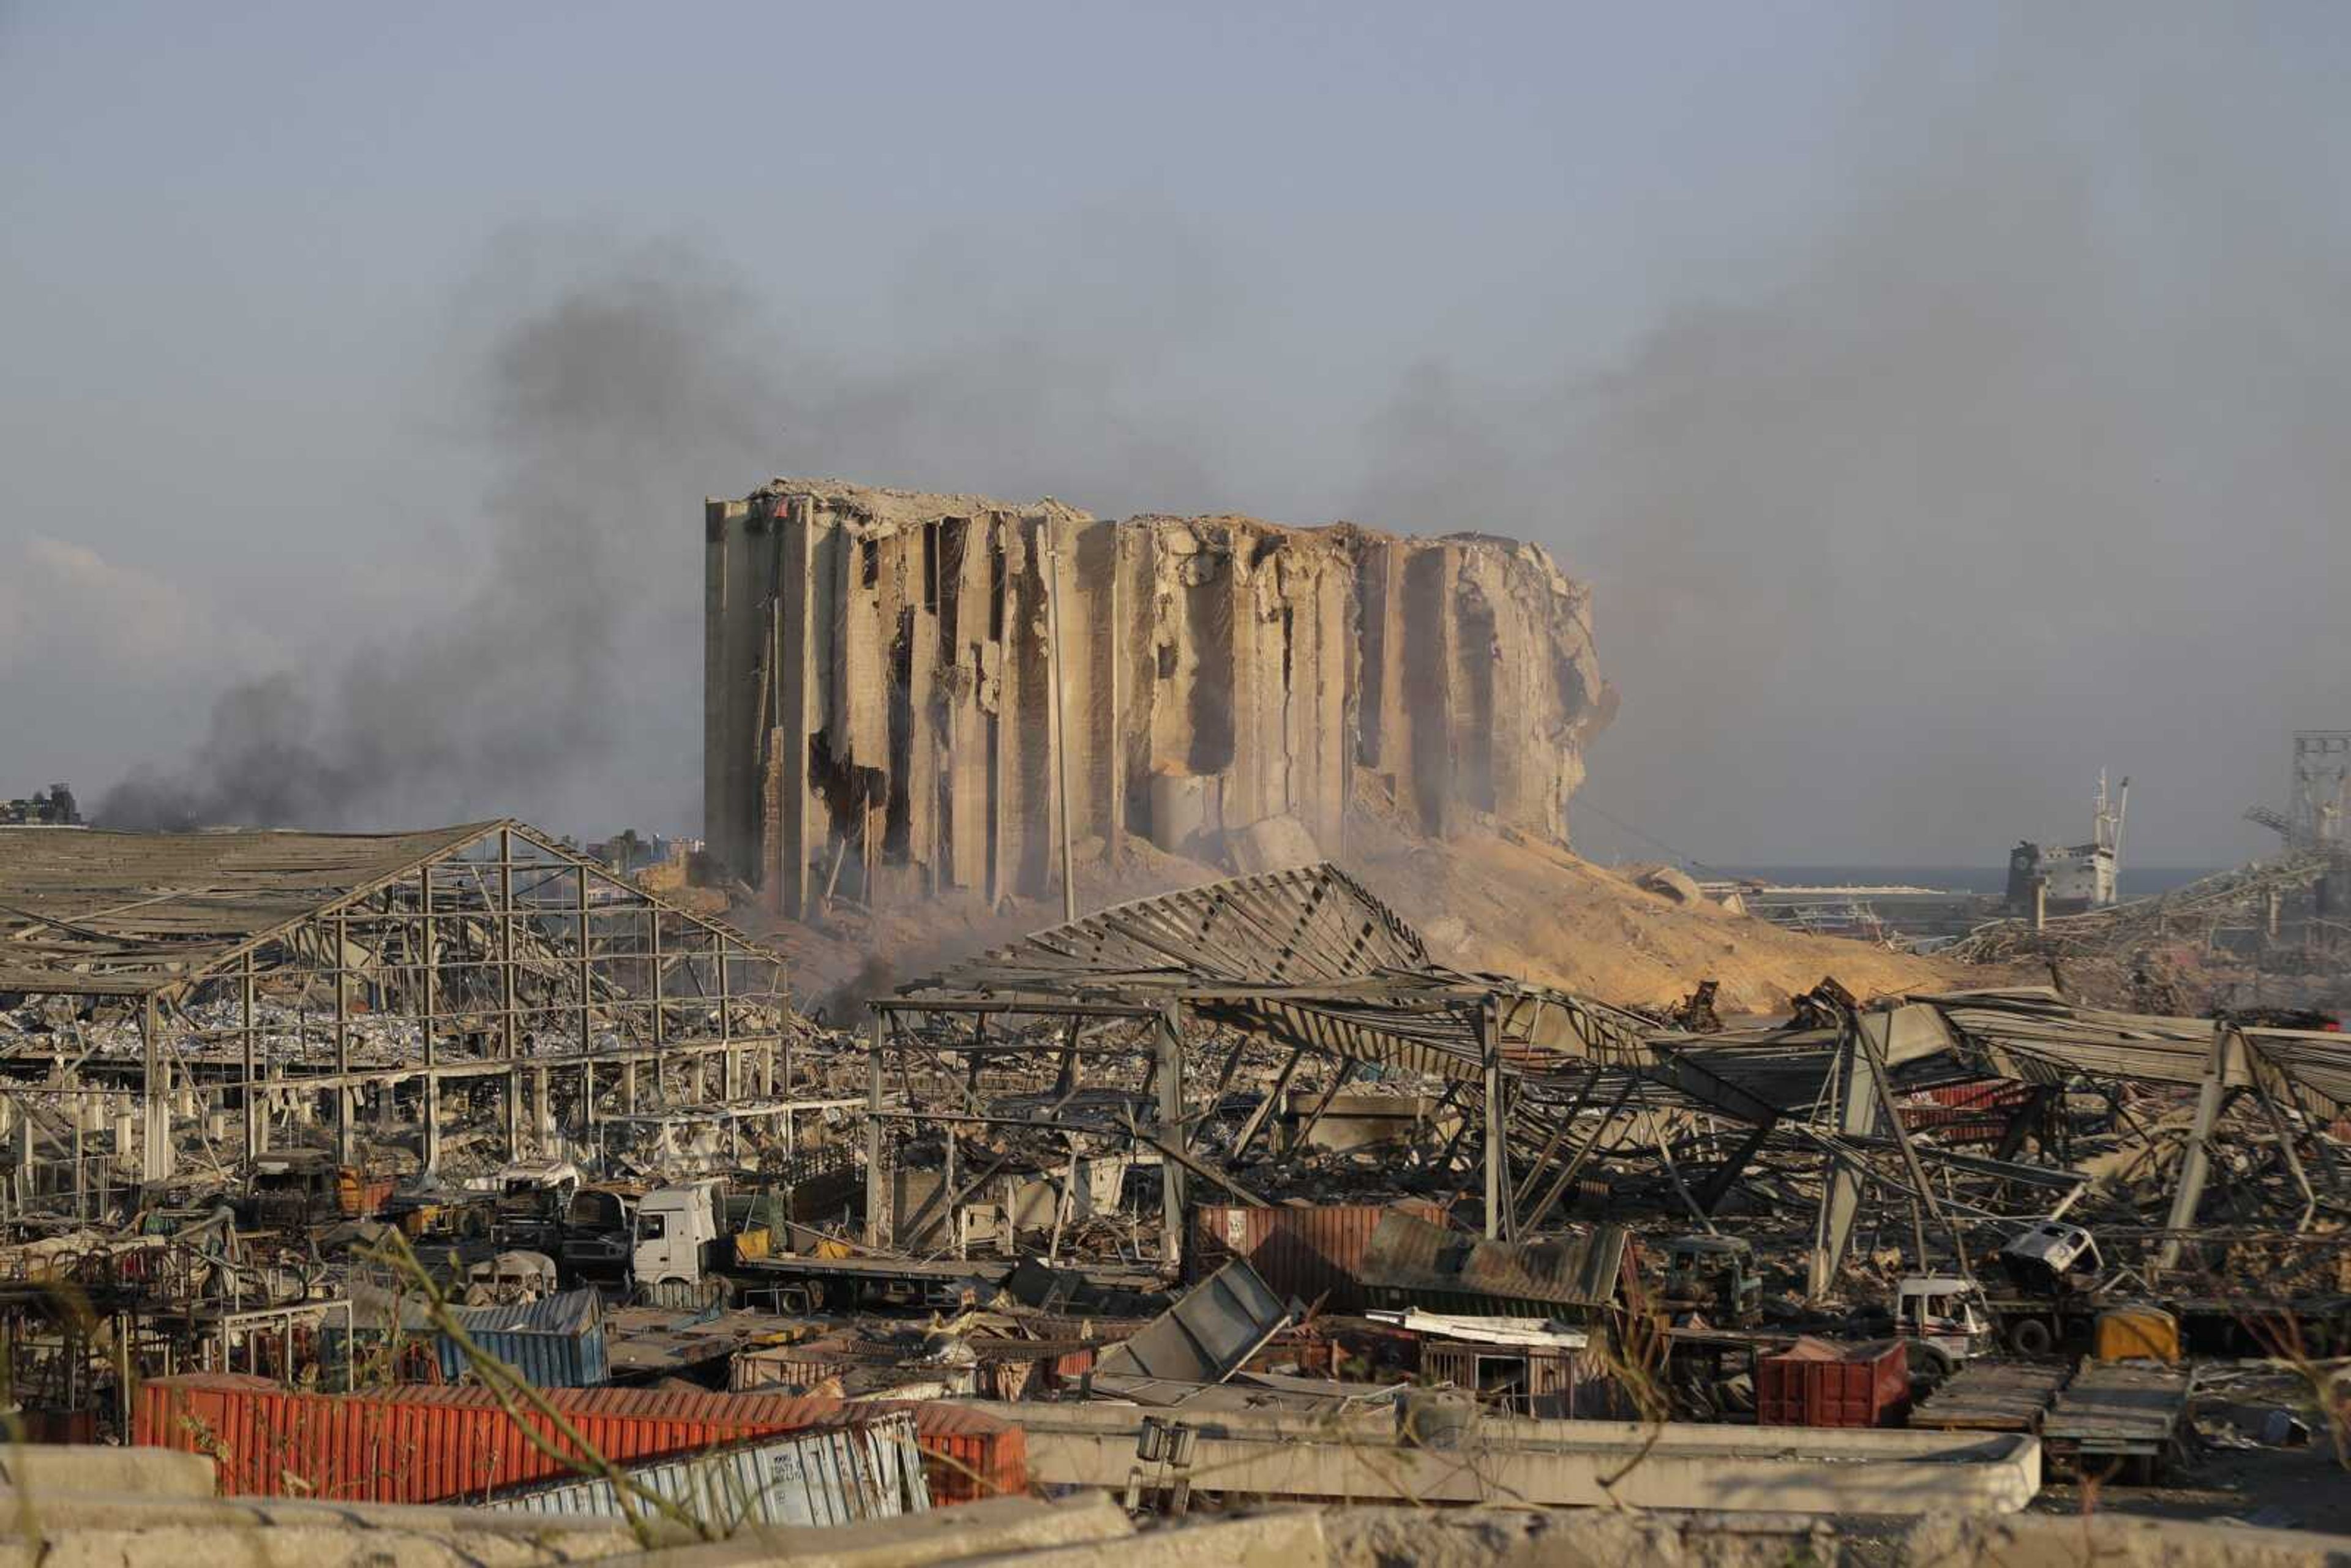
<point>2023,461</point>
<point>2029,467</point>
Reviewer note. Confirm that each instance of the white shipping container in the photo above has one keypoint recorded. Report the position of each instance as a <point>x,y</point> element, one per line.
<point>832,1475</point>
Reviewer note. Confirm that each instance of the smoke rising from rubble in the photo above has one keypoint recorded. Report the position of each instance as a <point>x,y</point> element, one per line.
<point>605,397</point>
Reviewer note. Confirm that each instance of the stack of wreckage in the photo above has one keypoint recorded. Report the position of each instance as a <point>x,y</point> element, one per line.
<point>415,1122</point>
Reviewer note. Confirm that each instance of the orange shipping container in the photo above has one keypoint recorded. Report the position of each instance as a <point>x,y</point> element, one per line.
<point>1312,1253</point>
<point>455,1445</point>
<point>1818,1384</point>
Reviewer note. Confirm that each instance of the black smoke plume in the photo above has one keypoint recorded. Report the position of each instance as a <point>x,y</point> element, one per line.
<point>606,403</point>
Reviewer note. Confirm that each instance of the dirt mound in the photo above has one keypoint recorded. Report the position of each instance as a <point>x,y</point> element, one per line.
<point>1501,902</point>
<point>1514,905</point>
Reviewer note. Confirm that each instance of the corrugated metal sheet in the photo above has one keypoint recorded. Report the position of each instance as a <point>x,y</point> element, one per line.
<point>1313,1253</point>
<point>93,912</point>
<point>1012,1369</point>
<point>452,1444</point>
<point>555,1343</point>
<point>846,1474</point>
<point>1205,1337</point>
<point>1411,1261</point>
<point>543,1359</point>
<point>967,1454</point>
<point>566,1311</point>
<point>1312,923</point>
<point>705,1297</point>
<point>805,1364</point>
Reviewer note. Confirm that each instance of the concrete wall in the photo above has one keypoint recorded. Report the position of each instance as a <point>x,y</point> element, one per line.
<point>1592,1464</point>
<point>879,713</point>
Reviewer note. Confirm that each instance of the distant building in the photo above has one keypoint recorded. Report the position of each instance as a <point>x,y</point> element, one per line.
<point>52,808</point>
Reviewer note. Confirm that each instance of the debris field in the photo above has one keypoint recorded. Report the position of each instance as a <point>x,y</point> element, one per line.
<point>466,1167</point>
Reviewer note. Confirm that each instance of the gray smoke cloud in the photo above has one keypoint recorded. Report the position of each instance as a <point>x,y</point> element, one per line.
<point>2031,464</point>
<point>2021,461</point>
<point>605,392</point>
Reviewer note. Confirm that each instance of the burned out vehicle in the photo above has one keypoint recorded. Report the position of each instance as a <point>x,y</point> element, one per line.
<point>302,1188</point>
<point>511,1279</point>
<point>599,1234</point>
<point>1713,1276</point>
<point>533,1203</point>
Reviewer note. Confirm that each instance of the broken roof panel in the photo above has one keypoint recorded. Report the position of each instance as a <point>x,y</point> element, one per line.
<point>2037,1036</point>
<point>1309,956</point>
<point>93,912</point>
<point>1285,927</point>
<point>1410,1259</point>
<point>1206,1337</point>
<point>98,912</point>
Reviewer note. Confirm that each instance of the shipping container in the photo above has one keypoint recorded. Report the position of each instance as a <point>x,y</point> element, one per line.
<point>457,1445</point>
<point>75,1427</point>
<point>1029,1369</point>
<point>1968,1113</point>
<point>967,1454</point>
<point>1820,1384</point>
<point>1352,1349</point>
<point>556,1343</point>
<point>866,1467</point>
<point>1311,1253</point>
<point>830,1363</point>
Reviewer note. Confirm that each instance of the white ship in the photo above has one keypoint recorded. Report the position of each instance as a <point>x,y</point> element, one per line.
<point>2076,876</point>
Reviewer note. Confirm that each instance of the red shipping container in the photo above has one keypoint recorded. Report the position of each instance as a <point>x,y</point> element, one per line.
<point>967,1454</point>
<point>1311,1252</point>
<point>1820,1384</point>
<point>453,1445</point>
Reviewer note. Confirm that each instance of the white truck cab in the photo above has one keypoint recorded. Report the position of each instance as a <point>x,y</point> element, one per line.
<point>676,1233</point>
<point>2050,1255</point>
<point>1945,1311</point>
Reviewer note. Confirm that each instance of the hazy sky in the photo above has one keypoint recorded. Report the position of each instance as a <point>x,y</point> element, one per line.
<point>1946,402</point>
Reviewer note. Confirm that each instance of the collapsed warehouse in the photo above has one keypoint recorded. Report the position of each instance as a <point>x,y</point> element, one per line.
<point>179,1004</point>
<point>1526,1084</point>
<point>902,689</point>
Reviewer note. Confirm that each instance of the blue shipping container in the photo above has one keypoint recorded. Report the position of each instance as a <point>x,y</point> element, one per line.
<point>557,1342</point>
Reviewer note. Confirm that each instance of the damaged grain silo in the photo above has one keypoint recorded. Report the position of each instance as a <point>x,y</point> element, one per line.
<point>880,715</point>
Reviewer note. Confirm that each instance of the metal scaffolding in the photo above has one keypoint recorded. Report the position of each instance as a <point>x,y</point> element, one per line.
<point>270,975</point>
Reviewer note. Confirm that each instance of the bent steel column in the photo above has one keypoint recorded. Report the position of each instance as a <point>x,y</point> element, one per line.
<point>1857,1118</point>
<point>2194,1162</point>
<point>1170,1043</point>
<point>877,1222</point>
<point>1489,1046</point>
<point>156,1095</point>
